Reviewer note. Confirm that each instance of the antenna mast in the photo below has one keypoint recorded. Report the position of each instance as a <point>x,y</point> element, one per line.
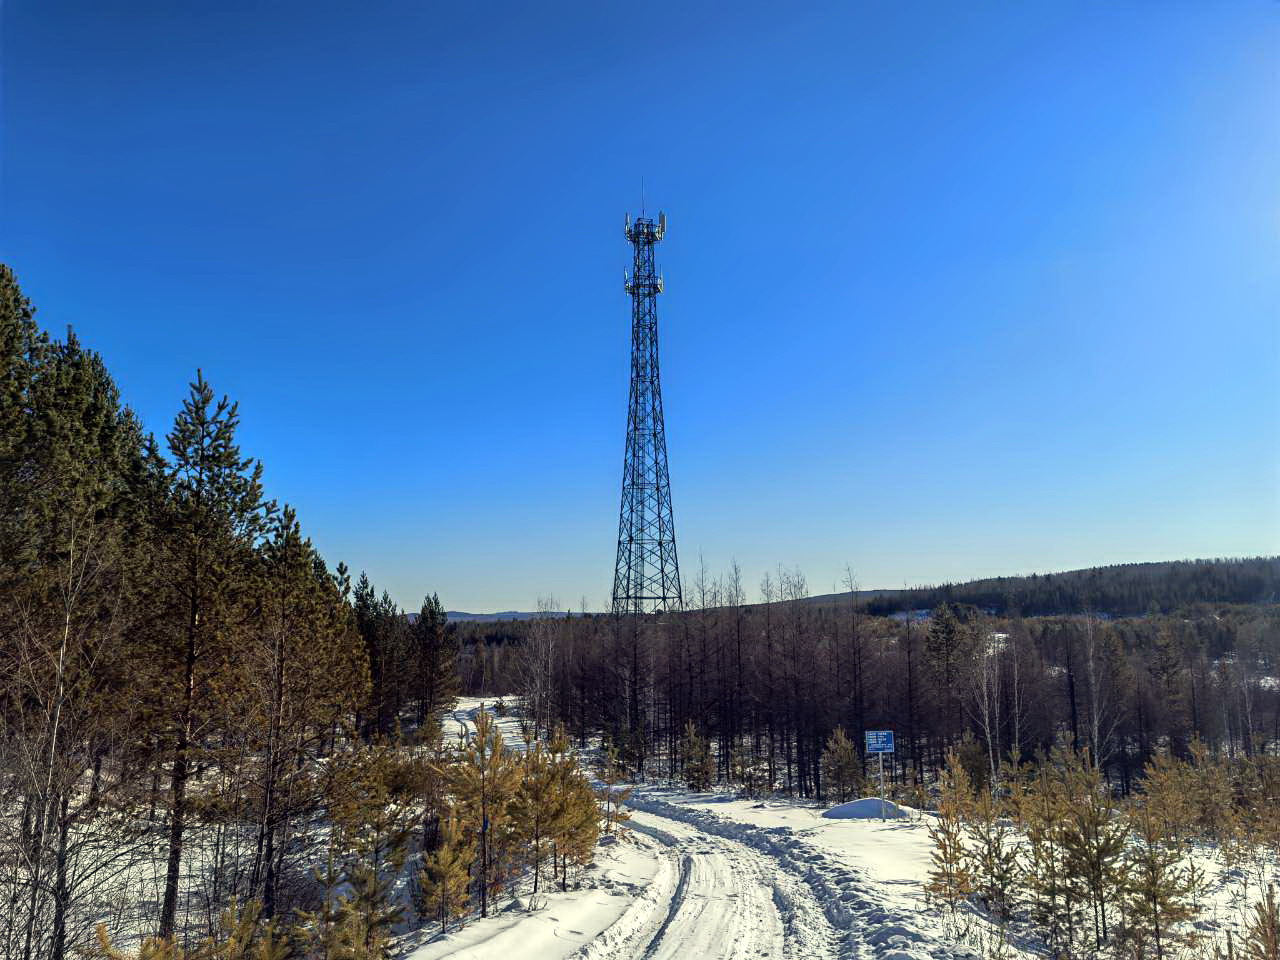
<point>646,576</point>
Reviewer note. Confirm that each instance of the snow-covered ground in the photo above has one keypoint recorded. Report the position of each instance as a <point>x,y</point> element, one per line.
<point>709,875</point>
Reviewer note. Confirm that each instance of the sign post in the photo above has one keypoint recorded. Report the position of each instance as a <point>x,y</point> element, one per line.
<point>880,742</point>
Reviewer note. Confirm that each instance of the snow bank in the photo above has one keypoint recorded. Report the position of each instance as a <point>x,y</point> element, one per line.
<point>868,808</point>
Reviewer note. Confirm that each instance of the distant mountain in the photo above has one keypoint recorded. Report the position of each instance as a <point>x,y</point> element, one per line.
<point>458,615</point>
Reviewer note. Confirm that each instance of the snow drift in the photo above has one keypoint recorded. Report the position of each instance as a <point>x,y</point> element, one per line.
<point>868,808</point>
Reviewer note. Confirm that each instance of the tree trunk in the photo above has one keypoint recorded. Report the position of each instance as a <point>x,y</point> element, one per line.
<point>178,787</point>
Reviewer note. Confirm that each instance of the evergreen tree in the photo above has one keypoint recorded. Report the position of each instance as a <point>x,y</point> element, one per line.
<point>1208,791</point>
<point>318,933</point>
<point>1093,840</point>
<point>1042,811</point>
<point>374,805</point>
<point>745,770</point>
<point>949,645</point>
<point>951,877</point>
<point>994,857</point>
<point>1156,886</point>
<point>1262,938</point>
<point>22,350</point>
<point>536,808</point>
<point>577,826</point>
<point>436,651</point>
<point>242,934</point>
<point>696,765</point>
<point>207,525</point>
<point>365,610</point>
<point>367,913</point>
<point>386,634</point>
<point>484,783</point>
<point>445,875</point>
<point>1168,789</point>
<point>303,670</point>
<point>578,829</point>
<point>841,766</point>
<point>612,796</point>
<point>68,452</point>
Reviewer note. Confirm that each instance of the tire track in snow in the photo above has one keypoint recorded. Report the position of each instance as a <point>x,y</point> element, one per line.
<point>625,936</point>
<point>724,910</point>
<point>676,899</point>
<point>731,902</point>
<point>822,900</point>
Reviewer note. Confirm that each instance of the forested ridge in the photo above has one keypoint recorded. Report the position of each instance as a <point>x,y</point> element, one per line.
<point>1119,590</point>
<point>211,743</point>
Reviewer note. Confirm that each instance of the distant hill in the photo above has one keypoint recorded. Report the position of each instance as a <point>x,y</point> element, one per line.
<point>1121,590</point>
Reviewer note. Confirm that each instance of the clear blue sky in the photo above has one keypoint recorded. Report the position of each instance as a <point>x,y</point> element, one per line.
<point>953,289</point>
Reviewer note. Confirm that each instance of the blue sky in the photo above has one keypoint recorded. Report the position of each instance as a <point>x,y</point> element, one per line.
<point>953,290</point>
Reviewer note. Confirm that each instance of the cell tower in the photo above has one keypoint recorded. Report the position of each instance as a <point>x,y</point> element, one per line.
<point>646,577</point>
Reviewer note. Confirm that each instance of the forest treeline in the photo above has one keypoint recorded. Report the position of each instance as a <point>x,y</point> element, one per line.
<point>767,683</point>
<point>196,713</point>
<point>1120,590</point>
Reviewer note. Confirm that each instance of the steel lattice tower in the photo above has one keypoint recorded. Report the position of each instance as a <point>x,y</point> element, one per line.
<point>646,577</point>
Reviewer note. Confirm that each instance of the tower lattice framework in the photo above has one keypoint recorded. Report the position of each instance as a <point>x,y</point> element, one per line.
<point>646,577</point>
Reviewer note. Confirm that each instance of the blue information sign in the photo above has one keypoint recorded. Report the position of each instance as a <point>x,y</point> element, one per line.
<point>879,741</point>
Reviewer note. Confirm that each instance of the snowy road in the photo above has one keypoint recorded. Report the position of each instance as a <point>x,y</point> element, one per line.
<point>829,904</point>
<point>729,902</point>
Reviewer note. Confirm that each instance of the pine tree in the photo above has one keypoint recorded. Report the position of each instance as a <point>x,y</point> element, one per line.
<point>207,527</point>
<point>367,913</point>
<point>245,934</point>
<point>436,649</point>
<point>1042,810</point>
<point>484,783</point>
<point>949,645</point>
<point>374,808</point>
<point>1262,937</point>
<point>951,878</point>
<point>994,857</point>
<point>1156,885</point>
<point>386,634</point>
<point>696,765</point>
<point>242,934</point>
<point>364,607</point>
<point>1208,790</point>
<point>303,671</point>
<point>841,766</point>
<point>68,454</point>
<point>536,808</point>
<point>611,795</point>
<point>445,876</point>
<point>745,770</point>
<point>1093,840</point>
<point>22,350</point>
<point>577,828</point>
<point>318,933</point>
<point>1168,789</point>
